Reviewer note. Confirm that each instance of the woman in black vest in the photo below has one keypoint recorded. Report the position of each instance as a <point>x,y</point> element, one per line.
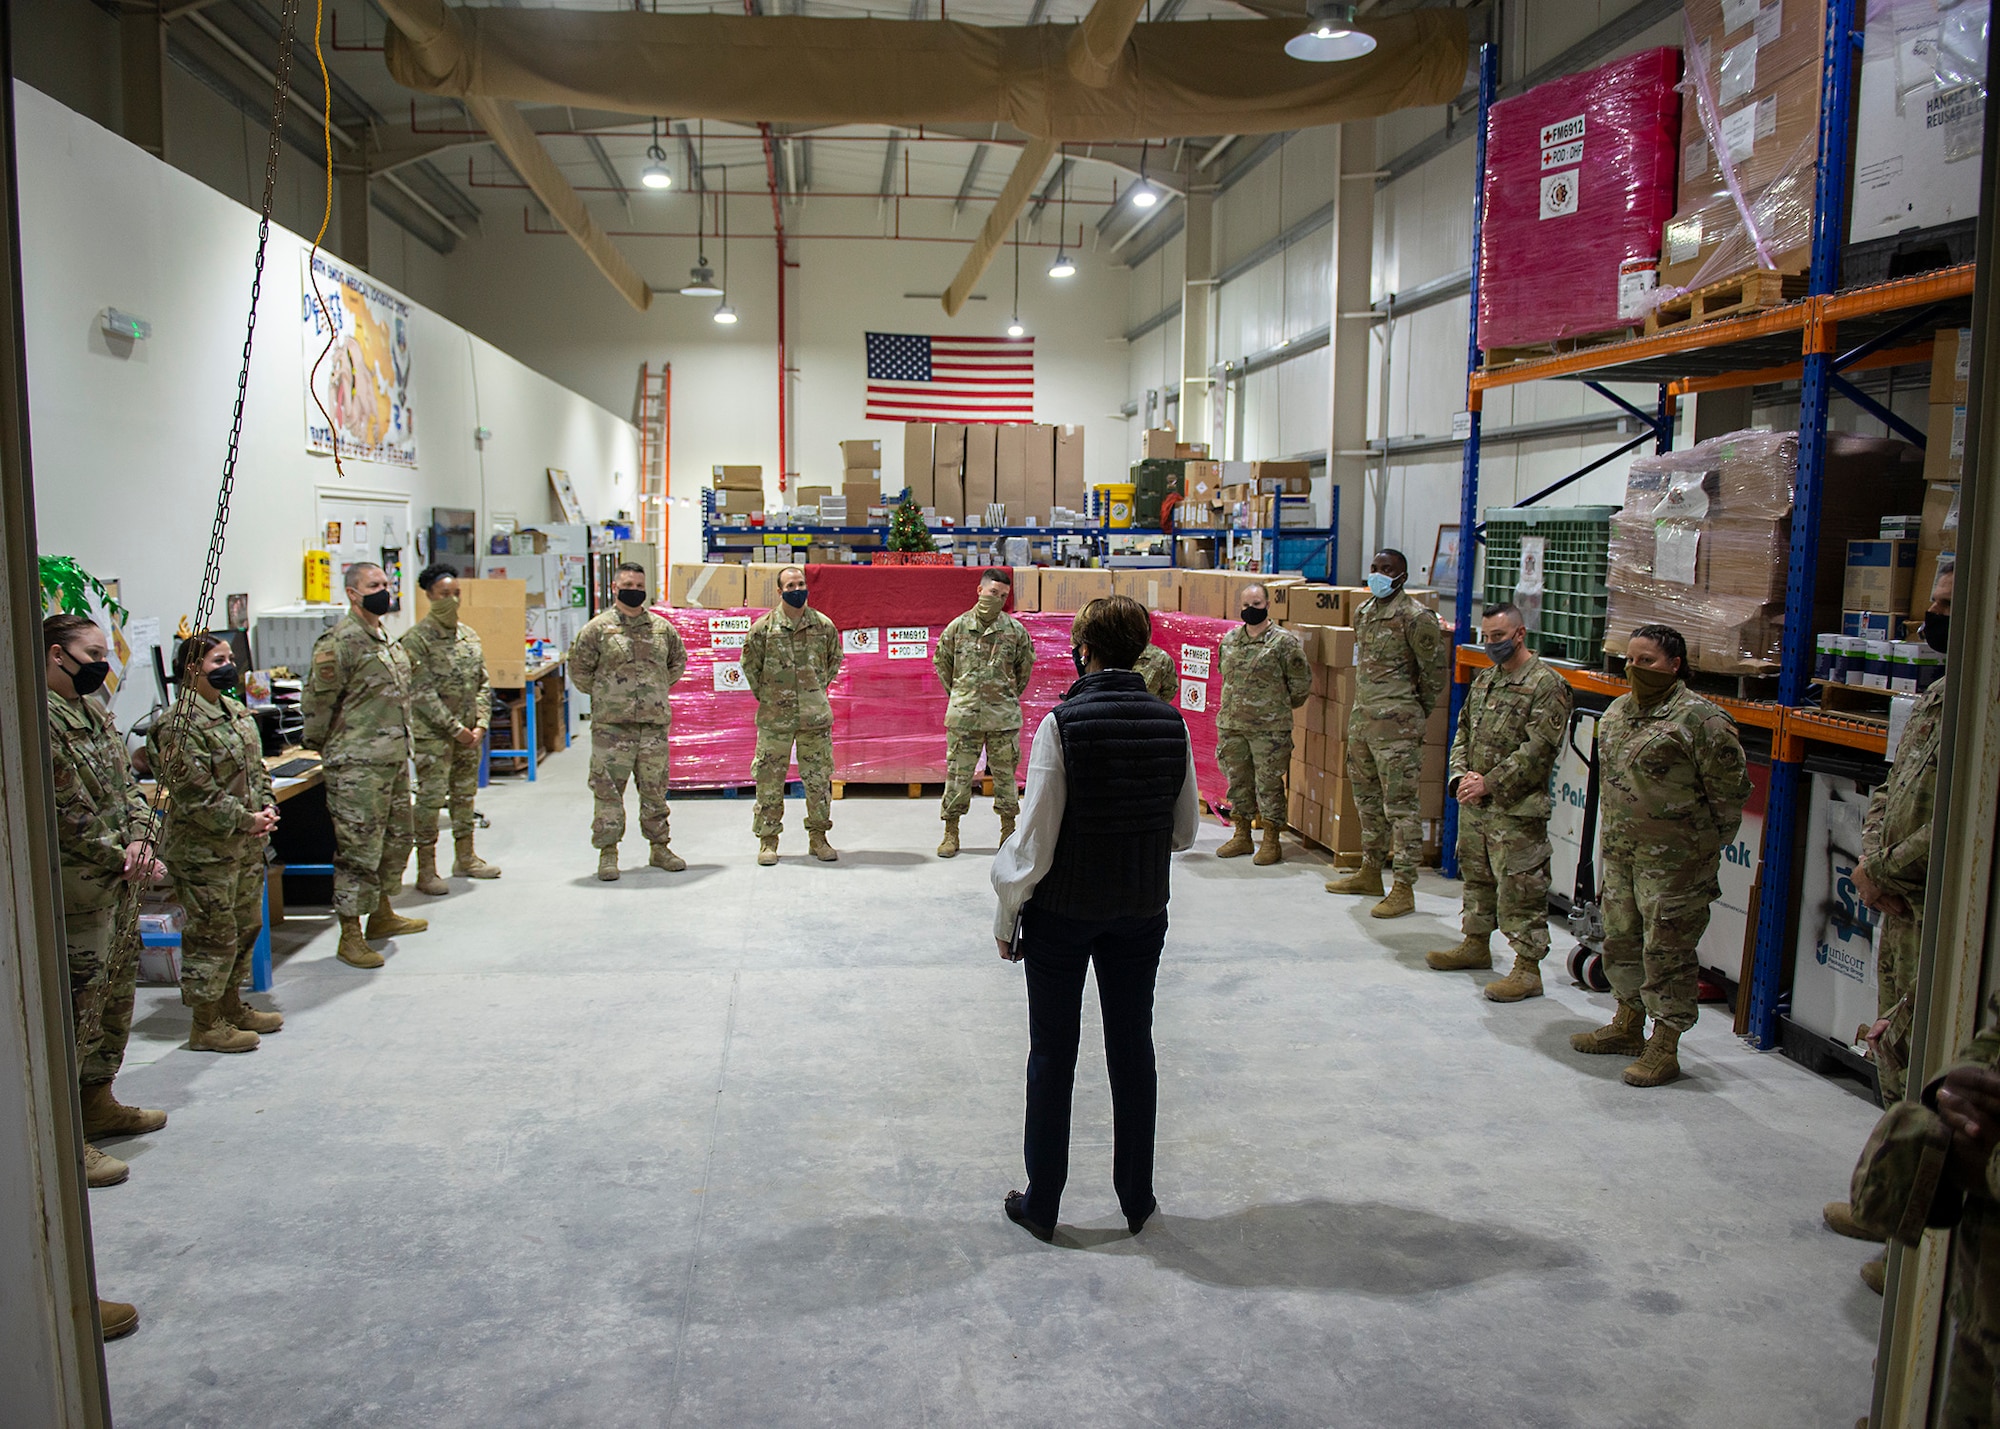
<point>1111,794</point>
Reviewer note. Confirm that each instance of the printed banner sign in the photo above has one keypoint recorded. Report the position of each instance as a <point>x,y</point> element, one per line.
<point>363,381</point>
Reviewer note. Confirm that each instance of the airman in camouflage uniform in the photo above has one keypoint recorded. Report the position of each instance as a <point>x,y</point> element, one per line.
<point>1510,732</point>
<point>984,660</point>
<point>1672,789</point>
<point>790,659</point>
<point>628,660</point>
<point>1156,667</point>
<point>1264,678</point>
<point>357,714</point>
<point>1401,653</point>
<point>1930,1163</point>
<point>101,825</point>
<point>209,758</point>
<point>451,709</point>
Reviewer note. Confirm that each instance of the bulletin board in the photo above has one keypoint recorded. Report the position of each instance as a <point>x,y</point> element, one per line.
<point>357,526</point>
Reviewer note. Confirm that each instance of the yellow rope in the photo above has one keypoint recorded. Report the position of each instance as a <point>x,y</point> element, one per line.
<point>325,219</point>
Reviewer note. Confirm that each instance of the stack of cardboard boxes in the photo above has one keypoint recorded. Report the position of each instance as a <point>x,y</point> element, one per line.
<point>1944,457</point>
<point>1020,471</point>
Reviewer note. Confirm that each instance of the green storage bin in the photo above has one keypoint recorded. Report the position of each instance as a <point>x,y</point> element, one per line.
<point>1153,481</point>
<point>1576,563</point>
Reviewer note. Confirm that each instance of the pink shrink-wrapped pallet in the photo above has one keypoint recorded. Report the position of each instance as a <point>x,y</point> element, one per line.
<point>1579,181</point>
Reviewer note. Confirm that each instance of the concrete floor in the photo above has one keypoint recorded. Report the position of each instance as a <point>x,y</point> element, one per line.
<point>728,1147</point>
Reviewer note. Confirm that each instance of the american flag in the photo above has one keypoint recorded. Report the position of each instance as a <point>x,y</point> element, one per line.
<point>950,379</point>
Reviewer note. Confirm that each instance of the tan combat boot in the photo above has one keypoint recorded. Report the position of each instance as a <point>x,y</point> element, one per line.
<point>212,1032</point>
<point>427,873</point>
<point>767,849</point>
<point>354,949</point>
<point>386,922</point>
<point>1658,1064</point>
<point>820,849</point>
<point>1365,880</point>
<point>117,1319</point>
<point>1270,851</point>
<point>1875,1272</point>
<point>242,1014</point>
<point>1471,953</point>
<point>1006,827</point>
<point>664,857</point>
<point>1524,982</point>
<point>607,864</point>
<point>1839,1218</point>
<point>1402,899</point>
<point>101,1168</point>
<point>1238,843</point>
<point>1624,1035</point>
<point>464,862</point>
<point>105,1115</point>
<point>948,845</point>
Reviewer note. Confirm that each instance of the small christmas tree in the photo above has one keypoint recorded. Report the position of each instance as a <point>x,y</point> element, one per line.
<point>907,532</point>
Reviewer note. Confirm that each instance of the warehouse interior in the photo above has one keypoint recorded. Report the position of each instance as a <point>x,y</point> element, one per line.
<point>1624,312</point>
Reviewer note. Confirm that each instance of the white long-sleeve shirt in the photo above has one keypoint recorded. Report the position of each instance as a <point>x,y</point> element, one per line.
<point>1024,860</point>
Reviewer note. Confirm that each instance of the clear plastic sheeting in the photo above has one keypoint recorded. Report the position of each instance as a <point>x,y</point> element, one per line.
<point>1579,180</point>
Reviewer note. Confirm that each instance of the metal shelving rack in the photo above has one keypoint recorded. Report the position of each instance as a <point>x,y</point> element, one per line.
<point>1326,538</point>
<point>1887,324</point>
<point>709,528</point>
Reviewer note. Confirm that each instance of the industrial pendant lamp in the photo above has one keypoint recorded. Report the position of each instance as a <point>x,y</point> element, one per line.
<point>1063,267</point>
<point>1144,195</point>
<point>701,277</point>
<point>1014,328</point>
<point>724,314</point>
<point>1330,34</point>
<point>655,175</point>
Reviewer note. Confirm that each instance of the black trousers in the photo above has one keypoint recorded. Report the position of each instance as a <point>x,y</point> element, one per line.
<point>1056,951</point>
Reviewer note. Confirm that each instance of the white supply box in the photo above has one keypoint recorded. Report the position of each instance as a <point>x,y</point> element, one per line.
<point>1916,137</point>
<point>1833,974</point>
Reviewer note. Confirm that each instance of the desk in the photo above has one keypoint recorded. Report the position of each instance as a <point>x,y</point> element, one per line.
<point>526,729</point>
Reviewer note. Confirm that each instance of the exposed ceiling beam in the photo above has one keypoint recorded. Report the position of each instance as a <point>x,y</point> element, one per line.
<point>805,160</point>
<point>695,180</point>
<point>608,169</point>
<point>1041,9</point>
<point>1048,193</point>
<point>1146,216</point>
<point>889,153</point>
<point>1215,150</point>
<point>1006,209</point>
<point>971,177</point>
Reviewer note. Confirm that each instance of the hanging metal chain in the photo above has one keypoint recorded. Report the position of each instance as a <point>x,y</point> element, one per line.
<point>174,740</point>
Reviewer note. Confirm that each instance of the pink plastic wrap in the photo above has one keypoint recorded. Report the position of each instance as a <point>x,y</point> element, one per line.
<point>888,708</point>
<point>1579,182</point>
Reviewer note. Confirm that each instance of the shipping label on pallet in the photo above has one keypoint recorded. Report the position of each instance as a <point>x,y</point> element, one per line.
<point>729,678</point>
<point>909,642</point>
<point>1195,661</point>
<point>861,642</point>
<point>1194,695</point>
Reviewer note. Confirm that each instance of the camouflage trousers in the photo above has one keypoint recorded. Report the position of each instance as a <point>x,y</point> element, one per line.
<point>447,773</point>
<point>1653,920</point>
<point>961,764</point>
<point>774,756</point>
<point>1255,763</point>
<point>103,982</point>
<point>1384,773</point>
<point>225,913</point>
<point>1972,1380</point>
<point>1896,999</point>
<point>372,833</point>
<point>628,751</point>
<point>1504,862</point>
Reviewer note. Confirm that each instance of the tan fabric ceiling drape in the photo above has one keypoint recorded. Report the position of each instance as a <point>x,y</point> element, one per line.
<point>1182,79</point>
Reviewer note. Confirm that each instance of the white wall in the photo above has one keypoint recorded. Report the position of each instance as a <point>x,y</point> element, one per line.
<point>128,449</point>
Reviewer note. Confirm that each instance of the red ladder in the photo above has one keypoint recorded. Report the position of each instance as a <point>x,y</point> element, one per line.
<point>651,415</point>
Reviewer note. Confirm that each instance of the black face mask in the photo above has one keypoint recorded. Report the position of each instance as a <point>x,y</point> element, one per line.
<point>377,602</point>
<point>223,677</point>
<point>796,599</point>
<point>1937,631</point>
<point>633,598</point>
<point>89,675</point>
<point>1076,659</point>
<point>1254,615</point>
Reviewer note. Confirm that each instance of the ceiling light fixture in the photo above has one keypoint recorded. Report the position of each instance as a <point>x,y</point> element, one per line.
<point>656,175</point>
<point>701,281</point>
<point>1014,328</point>
<point>725,314</point>
<point>1144,195</point>
<point>1330,35</point>
<point>701,278</point>
<point>1062,267</point>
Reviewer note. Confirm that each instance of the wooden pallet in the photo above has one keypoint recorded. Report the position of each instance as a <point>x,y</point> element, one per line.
<point>1499,357</point>
<point>1751,292</point>
<point>1864,704</point>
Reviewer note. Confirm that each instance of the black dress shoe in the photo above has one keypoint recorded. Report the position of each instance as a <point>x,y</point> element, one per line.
<point>1016,1206</point>
<point>1137,1223</point>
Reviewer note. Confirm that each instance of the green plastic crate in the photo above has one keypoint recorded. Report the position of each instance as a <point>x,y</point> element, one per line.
<point>1576,561</point>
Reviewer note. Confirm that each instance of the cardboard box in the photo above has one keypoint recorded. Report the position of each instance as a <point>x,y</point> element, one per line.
<point>1010,472</point>
<point>1191,451</point>
<point>760,583</point>
<point>917,458</point>
<point>1069,477</point>
<point>1437,725</point>
<point>705,587</point>
<point>1275,478</point>
<point>861,495</point>
<point>1944,444</point>
<point>1068,589</point>
<point>739,478</point>
<point>730,501</point>
<point>498,610</point>
<point>1925,578</point>
<point>1951,366</point>
<point>948,472</point>
<point>1939,531</point>
<point>1156,588</point>
<point>1201,482</point>
<point>861,454</point>
<point>1430,800</point>
<point>1194,553</point>
<point>807,498</point>
<point>1038,473</point>
<point>1878,575</point>
<point>1916,145</point>
<point>1157,442</point>
<point>981,452</point>
<point>1334,647</point>
<point>1202,593</point>
<point>1027,588</point>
